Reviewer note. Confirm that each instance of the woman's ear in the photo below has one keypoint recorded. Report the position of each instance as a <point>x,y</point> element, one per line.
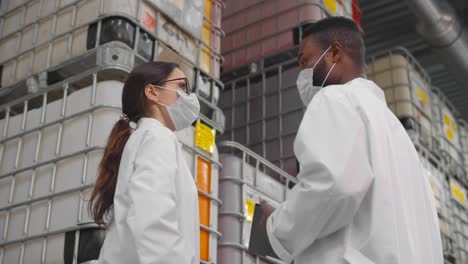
<point>151,93</point>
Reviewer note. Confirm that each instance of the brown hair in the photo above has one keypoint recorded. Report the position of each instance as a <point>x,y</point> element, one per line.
<point>134,106</point>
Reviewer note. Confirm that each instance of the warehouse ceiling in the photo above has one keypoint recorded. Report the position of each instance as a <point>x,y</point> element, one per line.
<point>390,23</point>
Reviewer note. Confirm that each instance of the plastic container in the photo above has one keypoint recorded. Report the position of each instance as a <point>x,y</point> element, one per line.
<point>119,40</point>
<point>80,245</point>
<point>407,91</point>
<point>263,109</point>
<point>52,141</point>
<point>189,15</point>
<point>460,220</point>
<point>36,29</point>
<point>244,180</point>
<point>257,29</point>
<point>447,132</point>
<point>463,125</point>
<point>436,172</point>
<point>204,163</point>
<point>51,147</point>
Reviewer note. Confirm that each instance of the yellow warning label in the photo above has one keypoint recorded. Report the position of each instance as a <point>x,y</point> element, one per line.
<point>330,5</point>
<point>449,134</point>
<point>447,119</point>
<point>249,210</point>
<point>450,127</point>
<point>422,95</point>
<point>458,193</point>
<point>205,137</point>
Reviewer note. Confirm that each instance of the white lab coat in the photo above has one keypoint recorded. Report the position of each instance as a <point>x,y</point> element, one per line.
<point>155,212</point>
<point>362,196</point>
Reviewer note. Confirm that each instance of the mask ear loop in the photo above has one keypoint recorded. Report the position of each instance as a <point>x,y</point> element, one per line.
<point>160,87</point>
<point>321,57</point>
<point>329,72</point>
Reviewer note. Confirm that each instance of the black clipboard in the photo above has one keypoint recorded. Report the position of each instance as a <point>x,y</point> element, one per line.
<point>259,244</point>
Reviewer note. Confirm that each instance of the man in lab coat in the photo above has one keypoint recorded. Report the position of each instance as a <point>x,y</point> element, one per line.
<point>361,196</point>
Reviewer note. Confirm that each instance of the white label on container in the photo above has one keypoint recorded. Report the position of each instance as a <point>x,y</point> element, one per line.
<point>177,39</point>
<point>187,14</point>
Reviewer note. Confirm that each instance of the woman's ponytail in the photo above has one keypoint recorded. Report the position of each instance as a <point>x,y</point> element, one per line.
<point>102,197</point>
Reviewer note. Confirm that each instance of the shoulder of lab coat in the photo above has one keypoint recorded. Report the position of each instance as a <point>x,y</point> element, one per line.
<point>335,174</point>
<point>152,216</point>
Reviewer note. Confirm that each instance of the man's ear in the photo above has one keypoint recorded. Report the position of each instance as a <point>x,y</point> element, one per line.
<point>151,93</point>
<point>337,52</point>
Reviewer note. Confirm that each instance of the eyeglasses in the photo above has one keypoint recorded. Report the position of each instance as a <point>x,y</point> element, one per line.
<point>184,86</point>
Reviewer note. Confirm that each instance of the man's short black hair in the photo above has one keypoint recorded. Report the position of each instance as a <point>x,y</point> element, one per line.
<point>338,29</point>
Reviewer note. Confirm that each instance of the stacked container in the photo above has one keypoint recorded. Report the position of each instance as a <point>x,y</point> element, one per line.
<point>246,178</point>
<point>447,134</point>
<point>50,147</point>
<point>436,171</point>
<point>460,220</point>
<point>430,120</point>
<point>39,34</point>
<point>202,156</point>
<point>263,111</point>
<point>464,143</point>
<point>258,29</point>
<point>459,191</point>
<point>63,67</point>
<point>407,91</point>
<point>262,106</point>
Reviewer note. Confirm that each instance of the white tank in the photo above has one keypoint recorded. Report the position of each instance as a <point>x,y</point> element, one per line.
<point>37,35</point>
<point>447,132</point>
<point>460,220</point>
<point>50,149</point>
<point>463,125</point>
<point>407,90</point>
<point>245,179</point>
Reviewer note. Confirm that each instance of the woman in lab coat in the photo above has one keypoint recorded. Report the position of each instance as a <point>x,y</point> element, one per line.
<point>145,194</point>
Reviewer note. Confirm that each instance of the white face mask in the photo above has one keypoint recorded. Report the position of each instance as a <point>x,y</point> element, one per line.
<point>305,81</point>
<point>184,111</point>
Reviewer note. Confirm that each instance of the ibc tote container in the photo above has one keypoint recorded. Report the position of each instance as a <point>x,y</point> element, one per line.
<point>65,31</point>
<point>39,29</point>
<point>257,29</point>
<point>246,178</point>
<point>447,133</point>
<point>407,91</point>
<point>460,220</point>
<point>435,172</point>
<point>464,143</point>
<point>51,145</point>
<point>54,131</point>
<point>50,148</point>
<point>263,111</point>
<point>261,103</point>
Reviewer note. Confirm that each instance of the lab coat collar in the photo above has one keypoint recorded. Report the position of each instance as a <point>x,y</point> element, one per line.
<point>146,122</point>
<point>369,86</point>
